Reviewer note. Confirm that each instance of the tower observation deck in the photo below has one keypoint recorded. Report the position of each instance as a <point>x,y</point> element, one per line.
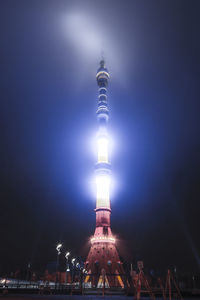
<point>103,257</point>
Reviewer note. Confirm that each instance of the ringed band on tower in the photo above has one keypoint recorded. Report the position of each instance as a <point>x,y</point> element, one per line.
<point>103,167</point>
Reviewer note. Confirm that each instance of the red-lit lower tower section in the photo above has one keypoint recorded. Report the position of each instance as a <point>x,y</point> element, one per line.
<point>103,257</point>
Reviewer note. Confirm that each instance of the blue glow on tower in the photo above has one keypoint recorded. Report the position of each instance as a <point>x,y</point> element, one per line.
<point>103,169</point>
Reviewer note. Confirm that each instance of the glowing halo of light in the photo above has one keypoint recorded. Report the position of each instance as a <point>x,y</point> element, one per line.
<point>82,34</point>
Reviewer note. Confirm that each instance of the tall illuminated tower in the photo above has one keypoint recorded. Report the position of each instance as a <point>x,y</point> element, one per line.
<point>103,256</point>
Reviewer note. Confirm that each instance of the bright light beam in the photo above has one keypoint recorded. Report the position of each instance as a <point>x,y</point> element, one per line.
<point>102,150</point>
<point>103,188</point>
<point>82,34</point>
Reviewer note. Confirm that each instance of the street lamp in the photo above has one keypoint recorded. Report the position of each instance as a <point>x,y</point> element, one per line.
<point>58,248</point>
<point>73,260</point>
<point>67,254</point>
<point>73,263</point>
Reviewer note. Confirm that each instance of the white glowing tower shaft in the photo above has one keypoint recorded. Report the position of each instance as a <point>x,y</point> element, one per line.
<point>103,165</point>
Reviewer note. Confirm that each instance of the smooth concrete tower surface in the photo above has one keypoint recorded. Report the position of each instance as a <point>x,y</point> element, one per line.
<point>103,257</point>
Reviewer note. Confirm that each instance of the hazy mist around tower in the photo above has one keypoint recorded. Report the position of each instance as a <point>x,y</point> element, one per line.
<point>50,52</point>
<point>93,30</point>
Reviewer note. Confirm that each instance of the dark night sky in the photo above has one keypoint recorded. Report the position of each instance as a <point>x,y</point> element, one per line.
<point>47,121</point>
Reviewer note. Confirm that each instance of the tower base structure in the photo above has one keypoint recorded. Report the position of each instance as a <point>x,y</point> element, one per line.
<point>103,264</point>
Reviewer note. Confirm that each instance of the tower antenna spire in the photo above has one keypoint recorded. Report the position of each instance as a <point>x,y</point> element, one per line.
<point>102,52</point>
